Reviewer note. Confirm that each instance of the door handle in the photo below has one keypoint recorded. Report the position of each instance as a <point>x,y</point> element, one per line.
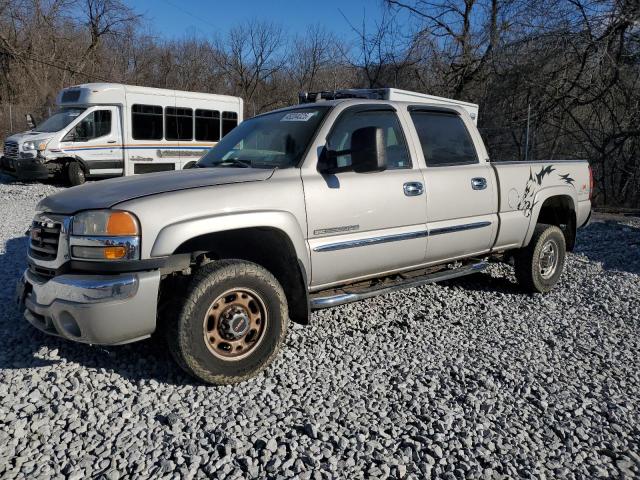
<point>479,183</point>
<point>111,141</point>
<point>413,189</point>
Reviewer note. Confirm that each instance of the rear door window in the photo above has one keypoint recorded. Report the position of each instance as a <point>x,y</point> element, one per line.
<point>444,138</point>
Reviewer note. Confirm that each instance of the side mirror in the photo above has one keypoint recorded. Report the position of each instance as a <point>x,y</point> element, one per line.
<point>368,152</point>
<point>31,123</point>
<point>191,164</point>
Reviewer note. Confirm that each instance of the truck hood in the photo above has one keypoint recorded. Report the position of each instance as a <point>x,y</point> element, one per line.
<point>107,193</point>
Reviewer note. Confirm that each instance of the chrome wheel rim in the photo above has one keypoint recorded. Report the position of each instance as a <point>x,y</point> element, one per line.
<point>234,324</point>
<point>548,259</point>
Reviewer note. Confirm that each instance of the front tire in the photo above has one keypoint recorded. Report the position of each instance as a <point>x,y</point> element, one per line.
<point>75,174</point>
<point>538,266</point>
<point>231,324</point>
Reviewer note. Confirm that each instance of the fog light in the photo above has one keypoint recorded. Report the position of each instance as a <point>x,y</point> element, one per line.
<point>69,325</point>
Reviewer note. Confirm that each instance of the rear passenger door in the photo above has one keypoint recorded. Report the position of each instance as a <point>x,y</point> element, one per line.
<point>460,188</point>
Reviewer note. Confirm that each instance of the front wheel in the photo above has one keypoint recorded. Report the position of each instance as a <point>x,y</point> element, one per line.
<point>538,266</point>
<point>75,174</point>
<point>231,324</point>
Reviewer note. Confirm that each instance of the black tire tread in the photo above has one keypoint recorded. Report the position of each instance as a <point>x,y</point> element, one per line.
<point>72,174</point>
<point>525,259</point>
<point>207,276</point>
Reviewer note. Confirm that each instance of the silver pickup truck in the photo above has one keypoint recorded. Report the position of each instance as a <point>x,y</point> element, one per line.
<point>308,207</point>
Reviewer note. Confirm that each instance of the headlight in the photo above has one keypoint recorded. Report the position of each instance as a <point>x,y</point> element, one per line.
<point>26,146</point>
<point>105,235</point>
<point>105,223</point>
<point>35,144</point>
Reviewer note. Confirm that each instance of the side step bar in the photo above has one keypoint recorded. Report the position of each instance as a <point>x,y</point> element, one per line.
<point>318,303</point>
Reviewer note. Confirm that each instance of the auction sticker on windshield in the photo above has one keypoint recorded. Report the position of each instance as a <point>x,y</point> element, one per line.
<point>298,116</point>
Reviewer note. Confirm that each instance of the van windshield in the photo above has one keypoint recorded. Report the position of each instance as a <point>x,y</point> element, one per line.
<point>59,120</point>
<point>277,139</point>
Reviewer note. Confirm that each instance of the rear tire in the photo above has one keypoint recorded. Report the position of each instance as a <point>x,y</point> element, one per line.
<point>538,266</point>
<point>75,174</point>
<point>225,299</point>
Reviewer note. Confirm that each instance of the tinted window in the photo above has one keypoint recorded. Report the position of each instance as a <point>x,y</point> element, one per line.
<point>207,125</point>
<point>146,122</point>
<point>70,96</point>
<point>178,123</point>
<point>340,137</point>
<point>229,122</point>
<point>444,139</point>
<point>96,124</point>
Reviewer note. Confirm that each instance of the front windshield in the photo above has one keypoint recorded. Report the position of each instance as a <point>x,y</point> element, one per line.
<point>59,120</point>
<point>277,139</point>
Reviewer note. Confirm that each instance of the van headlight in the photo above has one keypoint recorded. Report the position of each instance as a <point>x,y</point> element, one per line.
<point>33,145</point>
<point>105,235</point>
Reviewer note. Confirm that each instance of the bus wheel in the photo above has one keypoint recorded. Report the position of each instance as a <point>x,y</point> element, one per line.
<point>75,174</point>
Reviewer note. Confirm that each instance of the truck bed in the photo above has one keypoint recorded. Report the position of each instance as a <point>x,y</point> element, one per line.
<point>523,188</point>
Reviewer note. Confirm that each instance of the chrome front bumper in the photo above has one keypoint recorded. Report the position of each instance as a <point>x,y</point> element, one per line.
<point>97,309</point>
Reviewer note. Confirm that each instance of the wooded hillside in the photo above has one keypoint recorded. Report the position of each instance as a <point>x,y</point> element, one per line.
<point>570,67</point>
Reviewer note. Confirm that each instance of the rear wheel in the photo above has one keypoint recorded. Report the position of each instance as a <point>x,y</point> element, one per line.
<point>231,324</point>
<point>539,265</point>
<point>75,174</point>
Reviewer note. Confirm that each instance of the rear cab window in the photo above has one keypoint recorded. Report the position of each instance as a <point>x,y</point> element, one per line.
<point>444,138</point>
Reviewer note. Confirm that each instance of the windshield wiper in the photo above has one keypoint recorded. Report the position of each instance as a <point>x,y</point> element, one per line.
<point>234,162</point>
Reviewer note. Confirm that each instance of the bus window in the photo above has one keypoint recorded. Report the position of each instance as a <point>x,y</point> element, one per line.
<point>146,122</point>
<point>229,122</point>
<point>178,123</point>
<point>207,125</point>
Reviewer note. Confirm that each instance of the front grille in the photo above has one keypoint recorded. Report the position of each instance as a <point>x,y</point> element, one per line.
<point>43,243</point>
<point>11,150</point>
<point>42,273</point>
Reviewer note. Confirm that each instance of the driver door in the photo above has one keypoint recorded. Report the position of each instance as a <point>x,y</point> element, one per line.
<point>362,224</point>
<point>97,141</point>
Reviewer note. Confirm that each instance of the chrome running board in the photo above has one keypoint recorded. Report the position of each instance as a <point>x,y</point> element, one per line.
<point>320,302</point>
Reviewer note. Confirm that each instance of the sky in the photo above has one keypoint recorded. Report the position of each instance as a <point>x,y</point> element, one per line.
<point>180,18</point>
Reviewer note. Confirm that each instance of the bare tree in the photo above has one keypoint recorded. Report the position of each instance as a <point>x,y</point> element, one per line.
<point>251,55</point>
<point>574,64</point>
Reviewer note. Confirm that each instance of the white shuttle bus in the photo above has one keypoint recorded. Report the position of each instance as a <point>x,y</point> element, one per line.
<point>105,130</point>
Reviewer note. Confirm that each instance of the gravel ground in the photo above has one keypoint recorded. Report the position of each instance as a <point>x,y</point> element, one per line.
<point>468,379</point>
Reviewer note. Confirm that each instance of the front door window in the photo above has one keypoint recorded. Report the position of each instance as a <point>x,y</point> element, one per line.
<point>96,124</point>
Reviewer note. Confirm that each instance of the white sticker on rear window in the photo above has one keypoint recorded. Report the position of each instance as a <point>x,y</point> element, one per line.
<point>74,114</point>
<point>297,116</point>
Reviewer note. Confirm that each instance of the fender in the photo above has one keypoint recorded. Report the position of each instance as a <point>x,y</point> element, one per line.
<point>541,196</point>
<point>173,235</point>
<point>66,157</point>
